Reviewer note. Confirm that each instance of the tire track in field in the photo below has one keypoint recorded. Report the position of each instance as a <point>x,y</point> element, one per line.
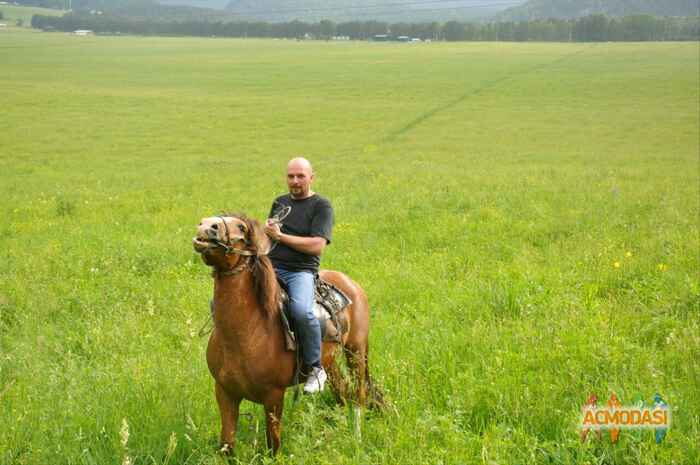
<point>392,136</point>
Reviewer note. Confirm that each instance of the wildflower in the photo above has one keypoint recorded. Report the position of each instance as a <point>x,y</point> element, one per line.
<point>616,264</point>
<point>628,254</point>
<point>669,338</point>
<point>190,423</point>
<point>172,444</point>
<point>124,433</point>
<point>662,267</point>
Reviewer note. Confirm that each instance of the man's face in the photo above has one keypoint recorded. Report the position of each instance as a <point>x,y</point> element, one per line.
<point>299,179</point>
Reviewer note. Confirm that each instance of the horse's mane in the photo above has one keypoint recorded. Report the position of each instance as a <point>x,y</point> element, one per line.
<point>265,285</point>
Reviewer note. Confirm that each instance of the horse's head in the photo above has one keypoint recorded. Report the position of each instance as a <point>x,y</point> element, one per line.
<point>228,240</point>
<point>233,243</point>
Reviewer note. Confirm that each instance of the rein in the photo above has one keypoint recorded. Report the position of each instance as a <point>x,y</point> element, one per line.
<point>233,271</point>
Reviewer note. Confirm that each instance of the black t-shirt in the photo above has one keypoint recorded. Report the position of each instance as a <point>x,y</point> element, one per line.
<point>309,217</point>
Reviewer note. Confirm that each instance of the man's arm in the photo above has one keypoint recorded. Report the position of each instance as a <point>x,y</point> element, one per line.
<point>307,245</point>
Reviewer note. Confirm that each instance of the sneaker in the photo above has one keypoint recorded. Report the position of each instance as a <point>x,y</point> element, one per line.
<point>315,381</point>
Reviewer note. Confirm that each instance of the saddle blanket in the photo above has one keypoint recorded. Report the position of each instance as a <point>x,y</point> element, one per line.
<point>330,303</point>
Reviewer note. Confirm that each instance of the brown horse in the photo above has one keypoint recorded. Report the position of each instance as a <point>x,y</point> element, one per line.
<point>246,353</point>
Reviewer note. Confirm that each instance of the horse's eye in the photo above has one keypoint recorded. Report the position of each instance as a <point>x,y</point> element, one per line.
<point>241,228</point>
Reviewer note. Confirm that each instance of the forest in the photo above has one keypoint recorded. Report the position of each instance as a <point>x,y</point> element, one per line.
<point>592,28</point>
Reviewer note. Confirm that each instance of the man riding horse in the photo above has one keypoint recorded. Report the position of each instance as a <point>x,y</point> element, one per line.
<point>247,354</point>
<point>304,230</point>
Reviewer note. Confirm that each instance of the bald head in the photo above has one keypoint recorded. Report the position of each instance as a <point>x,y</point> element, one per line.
<point>300,163</point>
<point>300,175</point>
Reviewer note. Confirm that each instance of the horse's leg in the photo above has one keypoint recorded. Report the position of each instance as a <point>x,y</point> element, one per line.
<point>228,408</point>
<point>273,418</point>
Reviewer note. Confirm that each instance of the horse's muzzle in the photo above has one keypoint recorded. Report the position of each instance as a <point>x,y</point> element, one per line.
<point>201,245</point>
<point>209,234</point>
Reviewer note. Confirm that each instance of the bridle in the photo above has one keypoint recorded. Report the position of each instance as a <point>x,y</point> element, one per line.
<point>228,246</point>
<point>229,249</point>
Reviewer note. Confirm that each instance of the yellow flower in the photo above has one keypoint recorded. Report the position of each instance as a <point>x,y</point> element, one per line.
<point>616,264</point>
<point>628,254</point>
<point>662,267</point>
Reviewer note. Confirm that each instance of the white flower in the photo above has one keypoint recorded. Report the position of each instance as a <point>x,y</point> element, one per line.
<point>124,433</point>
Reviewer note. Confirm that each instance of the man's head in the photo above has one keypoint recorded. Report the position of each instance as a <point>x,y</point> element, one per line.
<point>300,175</point>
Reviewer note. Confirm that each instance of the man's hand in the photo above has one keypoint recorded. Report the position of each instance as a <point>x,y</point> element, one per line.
<point>307,245</point>
<point>272,229</point>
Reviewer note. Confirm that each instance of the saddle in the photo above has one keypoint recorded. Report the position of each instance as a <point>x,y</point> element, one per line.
<point>329,305</point>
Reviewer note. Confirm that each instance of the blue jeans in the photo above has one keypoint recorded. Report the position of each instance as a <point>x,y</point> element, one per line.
<point>300,285</point>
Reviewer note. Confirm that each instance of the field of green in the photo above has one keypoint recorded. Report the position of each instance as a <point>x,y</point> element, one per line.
<point>12,13</point>
<point>523,217</point>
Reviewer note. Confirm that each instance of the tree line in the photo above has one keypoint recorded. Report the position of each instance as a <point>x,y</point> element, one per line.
<point>615,8</point>
<point>55,4</point>
<point>593,28</point>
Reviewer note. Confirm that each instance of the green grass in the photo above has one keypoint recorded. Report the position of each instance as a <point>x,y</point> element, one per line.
<point>483,194</point>
<point>12,13</point>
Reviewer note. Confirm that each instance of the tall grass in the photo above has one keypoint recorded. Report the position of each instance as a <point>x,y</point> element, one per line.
<point>523,217</point>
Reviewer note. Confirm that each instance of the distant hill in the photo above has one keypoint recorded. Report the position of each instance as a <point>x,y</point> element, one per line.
<point>114,5</point>
<point>566,9</point>
<point>101,5</point>
<point>289,10</point>
<point>167,10</point>
<point>366,10</point>
<point>52,4</point>
<point>22,14</point>
<point>149,10</point>
<point>211,4</point>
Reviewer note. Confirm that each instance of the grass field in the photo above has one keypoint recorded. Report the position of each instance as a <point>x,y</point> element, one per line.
<point>523,217</point>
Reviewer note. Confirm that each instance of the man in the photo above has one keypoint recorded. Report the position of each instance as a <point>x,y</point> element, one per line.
<point>301,235</point>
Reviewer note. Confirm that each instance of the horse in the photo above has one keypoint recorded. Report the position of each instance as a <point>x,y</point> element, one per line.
<point>246,354</point>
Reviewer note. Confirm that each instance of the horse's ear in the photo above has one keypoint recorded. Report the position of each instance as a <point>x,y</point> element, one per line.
<point>256,236</point>
<point>262,241</point>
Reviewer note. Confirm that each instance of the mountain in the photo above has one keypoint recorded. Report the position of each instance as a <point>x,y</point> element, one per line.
<point>151,10</point>
<point>211,4</point>
<point>366,10</point>
<point>566,9</point>
<point>107,6</point>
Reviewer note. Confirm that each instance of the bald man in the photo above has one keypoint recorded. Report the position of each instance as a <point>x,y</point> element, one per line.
<point>301,237</point>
